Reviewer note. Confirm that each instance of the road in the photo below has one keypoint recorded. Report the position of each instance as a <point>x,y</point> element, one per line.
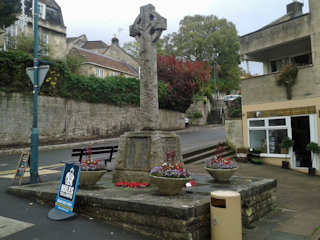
<point>27,219</point>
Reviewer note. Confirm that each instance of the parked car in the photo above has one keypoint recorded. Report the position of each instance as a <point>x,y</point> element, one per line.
<point>186,122</point>
<point>230,98</point>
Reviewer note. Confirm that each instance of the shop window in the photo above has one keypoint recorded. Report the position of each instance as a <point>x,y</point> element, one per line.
<point>266,134</point>
<point>256,123</point>
<point>258,140</point>
<point>275,138</point>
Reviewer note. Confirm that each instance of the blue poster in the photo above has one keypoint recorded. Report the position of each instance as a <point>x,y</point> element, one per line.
<point>67,188</point>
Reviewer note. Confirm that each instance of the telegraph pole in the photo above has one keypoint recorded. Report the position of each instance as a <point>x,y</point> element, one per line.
<point>35,134</point>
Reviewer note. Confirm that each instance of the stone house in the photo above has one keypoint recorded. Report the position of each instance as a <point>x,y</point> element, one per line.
<point>103,66</point>
<point>111,56</point>
<point>268,115</point>
<point>52,31</point>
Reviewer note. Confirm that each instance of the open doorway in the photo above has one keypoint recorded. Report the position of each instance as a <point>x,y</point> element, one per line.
<point>301,135</point>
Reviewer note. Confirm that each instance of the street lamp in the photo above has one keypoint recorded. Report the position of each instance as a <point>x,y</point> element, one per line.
<point>35,134</point>
<point>215,78</point>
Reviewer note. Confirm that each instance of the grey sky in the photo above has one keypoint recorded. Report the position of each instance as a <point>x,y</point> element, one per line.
<point>101,19</point>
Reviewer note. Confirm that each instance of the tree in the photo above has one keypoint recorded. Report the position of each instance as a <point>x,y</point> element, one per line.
<point>209,39</point>
<point>287,78</point>
<point>9,10</point>
<point>132,48</point>
<point>183,79</point>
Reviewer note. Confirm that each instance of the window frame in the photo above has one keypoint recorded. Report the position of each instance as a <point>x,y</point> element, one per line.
<point>99,73</point>
<point>267,128</point>
<point>42,14</point>
<point>10,36</point>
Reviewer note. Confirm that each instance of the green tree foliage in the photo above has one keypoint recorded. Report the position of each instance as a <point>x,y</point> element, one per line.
<point>234,108</point>
<point>132,48</point>
<point>74,62</point>
<point>13,75</point>
<point>9,9</point>
<point>287,78</point>
<point>209,39</point>
<point>183,79</point>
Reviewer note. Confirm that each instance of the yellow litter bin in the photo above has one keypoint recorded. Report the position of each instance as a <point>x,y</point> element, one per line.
<point>225,213</point>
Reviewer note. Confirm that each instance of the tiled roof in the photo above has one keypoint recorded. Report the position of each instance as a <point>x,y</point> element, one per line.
<point>106,62</point>
<point>94,45</point>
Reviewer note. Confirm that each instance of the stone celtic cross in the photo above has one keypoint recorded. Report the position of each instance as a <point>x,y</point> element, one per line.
<point>147,29</point>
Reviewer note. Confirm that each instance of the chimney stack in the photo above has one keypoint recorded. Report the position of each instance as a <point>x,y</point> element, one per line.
<point>115,41</point>
<point>295,8</point>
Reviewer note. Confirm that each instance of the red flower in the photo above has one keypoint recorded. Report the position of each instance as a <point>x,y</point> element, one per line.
<point>131,184</point>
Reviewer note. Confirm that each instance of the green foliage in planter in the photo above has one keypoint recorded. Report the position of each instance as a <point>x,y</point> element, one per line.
<point>286,142</point>
<point>313,147</point>
<point>287,78</point>
<point>235,108</point>
<point>256,160</point>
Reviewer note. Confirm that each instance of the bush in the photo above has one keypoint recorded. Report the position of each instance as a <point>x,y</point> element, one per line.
<point>13,76</point>
<point>59,82</point>
<point>235,108</point>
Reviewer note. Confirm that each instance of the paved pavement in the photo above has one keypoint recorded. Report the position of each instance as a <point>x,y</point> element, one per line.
<point>297,216</point>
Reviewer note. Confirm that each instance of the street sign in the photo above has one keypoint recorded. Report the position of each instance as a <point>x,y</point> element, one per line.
<point>43,70</point>
<point>63,208</point>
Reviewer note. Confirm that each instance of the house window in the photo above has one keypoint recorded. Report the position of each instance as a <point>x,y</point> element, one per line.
<point>99,73</point>
<point>42,10</point>
<point>266,134</point>
<point>302,60</point>
<point>10,37</point>
<point>43,44</point>
<point>113,74</point>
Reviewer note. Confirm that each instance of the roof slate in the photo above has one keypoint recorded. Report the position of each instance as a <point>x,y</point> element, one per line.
<point>94,45</point>
<point>105,61</point>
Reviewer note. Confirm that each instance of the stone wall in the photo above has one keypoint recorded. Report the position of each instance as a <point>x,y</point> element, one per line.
<point>234,134</point>
<point>64,120</point>
<point>202,107</point>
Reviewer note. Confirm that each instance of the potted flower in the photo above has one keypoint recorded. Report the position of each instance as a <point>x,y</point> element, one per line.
<point>171,176</point>
<point>286,143</point>
<point>315,149</point>
<point>221,169</point>
<point>91,170</point>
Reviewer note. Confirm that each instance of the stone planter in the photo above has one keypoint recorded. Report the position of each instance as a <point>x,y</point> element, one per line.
<point>221,175</point>
<point>90,177</point>
<point>169,186</point>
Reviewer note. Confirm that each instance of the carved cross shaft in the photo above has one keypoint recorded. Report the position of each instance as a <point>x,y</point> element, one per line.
<point>147,29</point>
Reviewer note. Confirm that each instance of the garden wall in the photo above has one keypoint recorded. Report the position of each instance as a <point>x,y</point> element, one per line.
<point>67,120</point>
<point>234,134</point>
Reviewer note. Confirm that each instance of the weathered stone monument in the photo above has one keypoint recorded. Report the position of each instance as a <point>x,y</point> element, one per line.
<point>143,150</point>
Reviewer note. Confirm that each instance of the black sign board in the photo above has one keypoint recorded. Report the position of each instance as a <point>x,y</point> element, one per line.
<point>22,164</point>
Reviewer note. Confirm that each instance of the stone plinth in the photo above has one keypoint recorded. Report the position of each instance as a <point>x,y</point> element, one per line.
<point>139,152</point>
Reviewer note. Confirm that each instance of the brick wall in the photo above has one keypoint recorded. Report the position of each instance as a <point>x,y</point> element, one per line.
<point>64,120</point>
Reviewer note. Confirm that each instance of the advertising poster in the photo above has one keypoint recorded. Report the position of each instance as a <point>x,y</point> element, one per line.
<point>67,188</point>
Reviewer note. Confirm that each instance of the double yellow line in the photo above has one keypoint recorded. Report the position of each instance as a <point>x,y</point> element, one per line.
<point>40,168</point>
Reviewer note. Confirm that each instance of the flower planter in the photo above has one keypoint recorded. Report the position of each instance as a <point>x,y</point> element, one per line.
<point>312,171</point>
<point>90,177</point>
<point>169,186</point>
<point>221,175</point>
<point>285,164</point>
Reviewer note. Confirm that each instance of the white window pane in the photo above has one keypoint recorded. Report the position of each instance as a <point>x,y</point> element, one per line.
<point>275,138</point>
<point>277,122</point>
<point>258,139</point>
<point>256,123</point>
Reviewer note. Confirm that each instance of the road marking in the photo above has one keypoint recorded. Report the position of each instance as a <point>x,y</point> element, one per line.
<point>40,168</point>
<point>27,173</point>
<point>10,226</point>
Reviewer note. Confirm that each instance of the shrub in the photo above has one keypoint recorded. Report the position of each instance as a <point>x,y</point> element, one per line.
<point>235,108</point>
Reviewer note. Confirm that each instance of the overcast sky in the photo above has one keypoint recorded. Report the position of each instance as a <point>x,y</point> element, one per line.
<point>101,19</point>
